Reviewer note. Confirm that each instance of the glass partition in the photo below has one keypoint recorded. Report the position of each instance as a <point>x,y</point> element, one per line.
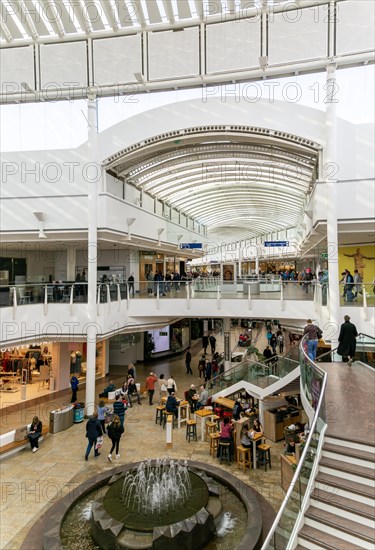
<point>313,383</point>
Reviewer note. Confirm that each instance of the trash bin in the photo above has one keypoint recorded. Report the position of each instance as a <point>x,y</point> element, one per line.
<point>61,419</point>
<point>254,288</point>
<point>79,412</point>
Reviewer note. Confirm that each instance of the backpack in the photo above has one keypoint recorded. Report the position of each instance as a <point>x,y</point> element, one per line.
<point>319,333</point>
<point>201,364</point>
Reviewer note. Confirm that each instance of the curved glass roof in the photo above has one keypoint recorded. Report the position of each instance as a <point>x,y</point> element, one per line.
<point>224,177</point>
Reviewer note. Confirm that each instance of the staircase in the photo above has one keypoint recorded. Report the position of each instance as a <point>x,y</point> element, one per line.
<point>342,504</point>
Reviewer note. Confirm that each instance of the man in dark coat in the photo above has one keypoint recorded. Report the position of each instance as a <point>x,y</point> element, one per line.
<point>93,431</point>
<point>205,343</point>
<point>347,340</point>
<point>172,404</point>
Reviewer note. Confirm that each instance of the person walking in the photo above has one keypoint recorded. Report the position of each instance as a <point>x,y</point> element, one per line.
<point>119,408</point>
<point>131,285</point>
<point>171,385</point>
<point>115,431</point>
<point>93,431</point>
<point>202,367</point>
<point>102,411</point>
<point>313,334</point>
<point>205,343</point>
<point>188,361</point>
<point>212,340</point>
<point>347,341</point>
<point>74,382</point>
<point>150,386</point>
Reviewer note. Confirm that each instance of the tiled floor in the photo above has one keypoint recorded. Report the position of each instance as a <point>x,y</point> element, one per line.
<point>350,399</point>
<point>31,482</point>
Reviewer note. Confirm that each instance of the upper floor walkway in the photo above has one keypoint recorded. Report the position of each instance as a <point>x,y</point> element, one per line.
<point>61,310</point>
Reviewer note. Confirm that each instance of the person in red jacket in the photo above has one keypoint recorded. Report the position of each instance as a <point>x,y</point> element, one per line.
<point>150,386</point>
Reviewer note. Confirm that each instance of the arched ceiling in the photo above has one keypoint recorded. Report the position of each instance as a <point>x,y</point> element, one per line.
<point>232,179</point>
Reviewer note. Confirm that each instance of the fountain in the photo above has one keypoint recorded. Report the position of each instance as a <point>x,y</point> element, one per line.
<point>156,504</point>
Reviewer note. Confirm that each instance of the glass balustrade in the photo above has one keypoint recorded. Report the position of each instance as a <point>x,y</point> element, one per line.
<point>209,288</point>
<point>313,383</point>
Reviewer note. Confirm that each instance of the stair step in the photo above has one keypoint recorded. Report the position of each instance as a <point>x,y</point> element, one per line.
<point>347,467</point>
<point>345,484</point>
<point>347,451</point>
<point>336,521</point>
<point>352,443</point>
<point>352,509</point>
<point>308,536</point>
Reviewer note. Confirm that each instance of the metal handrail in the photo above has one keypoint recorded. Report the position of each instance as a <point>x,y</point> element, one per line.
<point>304,452</point>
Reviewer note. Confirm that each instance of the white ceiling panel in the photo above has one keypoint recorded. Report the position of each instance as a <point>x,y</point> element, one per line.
<point>63,63</point>
<point>16,66</point>
<point>174,54</point>
<point>355,33</point>
<point>121,56</point>
<point>298,34</point>
<point>233,45</point>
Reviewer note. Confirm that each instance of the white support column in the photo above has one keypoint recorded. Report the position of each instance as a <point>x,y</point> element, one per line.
<point>330,167</point>
<point>227,348</point>
<point>94,175</point>
<point>71,263</point>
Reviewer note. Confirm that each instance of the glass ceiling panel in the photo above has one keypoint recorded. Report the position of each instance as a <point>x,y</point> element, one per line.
<point>224,184</point>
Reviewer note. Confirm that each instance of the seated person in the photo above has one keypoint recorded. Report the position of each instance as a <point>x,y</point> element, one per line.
<point>192,398</point>
<point>226,429</point>
<point>290,448</point>
<point>111,387</point>
<point>172,404</point>
<point>34,433</point>
<point>246,437</point>
<point>132,391</point>
<point>203,398</point>
<point>237,410</point>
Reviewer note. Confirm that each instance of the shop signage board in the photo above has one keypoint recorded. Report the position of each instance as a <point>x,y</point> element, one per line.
<point>190,245</point>
<point>276,243</point>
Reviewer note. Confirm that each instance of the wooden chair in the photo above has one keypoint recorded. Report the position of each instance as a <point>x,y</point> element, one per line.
<point>191,430</point>
<point>214,443</point>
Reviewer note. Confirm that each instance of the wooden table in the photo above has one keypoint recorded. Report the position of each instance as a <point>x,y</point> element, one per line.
<point>203,414</point>
<point>225,402</point>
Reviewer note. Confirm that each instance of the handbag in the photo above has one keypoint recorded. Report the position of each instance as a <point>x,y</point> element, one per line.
<point>99,443</point>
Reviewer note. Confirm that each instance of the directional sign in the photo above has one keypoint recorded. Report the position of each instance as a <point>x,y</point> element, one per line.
<point>324,255</point>
<point>276,243</point>
<point>191,245</point>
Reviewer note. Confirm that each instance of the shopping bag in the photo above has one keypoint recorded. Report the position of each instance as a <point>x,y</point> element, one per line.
<point>99,443</point>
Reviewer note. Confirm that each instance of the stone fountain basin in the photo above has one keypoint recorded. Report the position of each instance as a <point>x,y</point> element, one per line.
<point>256,507</point>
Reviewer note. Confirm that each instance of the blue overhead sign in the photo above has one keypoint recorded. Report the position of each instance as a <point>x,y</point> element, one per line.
<point>276,243</point>
<point>191,245</point>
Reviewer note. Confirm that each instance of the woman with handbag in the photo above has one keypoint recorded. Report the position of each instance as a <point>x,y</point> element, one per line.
<point>115,431</point>
<point>34,433</point>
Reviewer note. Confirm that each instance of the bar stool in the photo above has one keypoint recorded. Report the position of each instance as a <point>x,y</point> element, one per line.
<point>264,455</point>
<point>214,443</point>
<point>224,451</point>
<point>159,414</point>
<point>243,457</point>
<point>210,428</point>
<point>216,419</point>
<point>191,430</point>
<point>165,416</point>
